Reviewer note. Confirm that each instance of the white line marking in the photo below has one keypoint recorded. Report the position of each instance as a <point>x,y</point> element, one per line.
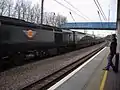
<point>72,73</point>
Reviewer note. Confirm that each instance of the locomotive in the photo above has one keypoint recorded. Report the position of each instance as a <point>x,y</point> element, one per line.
<point>21,40</point>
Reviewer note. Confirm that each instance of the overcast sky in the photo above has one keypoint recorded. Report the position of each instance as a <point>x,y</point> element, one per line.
<point>86,7</point>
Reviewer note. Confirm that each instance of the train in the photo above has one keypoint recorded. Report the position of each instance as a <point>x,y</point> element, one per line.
<point>21,40</point>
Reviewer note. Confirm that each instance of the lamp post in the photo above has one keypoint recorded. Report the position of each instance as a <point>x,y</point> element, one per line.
<point>42,2</point>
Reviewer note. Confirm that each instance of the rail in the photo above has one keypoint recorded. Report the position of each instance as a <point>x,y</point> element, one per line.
<point>51,79</point>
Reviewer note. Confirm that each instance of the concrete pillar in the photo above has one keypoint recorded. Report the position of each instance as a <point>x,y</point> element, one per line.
<point>118,36</point>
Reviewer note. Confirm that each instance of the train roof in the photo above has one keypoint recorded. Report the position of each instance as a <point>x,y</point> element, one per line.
<point>80,32</point>
<point>87,37</point>
<point>66,31</point>
<point>19,22</point>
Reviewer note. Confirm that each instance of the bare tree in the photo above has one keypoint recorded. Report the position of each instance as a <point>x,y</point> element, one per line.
<point>3,9</point>
<point>24,10</point>
<point>9,7</point>
<point>45,21</point>
<point>18,8</point>
<point>55,20</point>
<point>28,11</point>
<point>37,13</point>
<point>60,20</point>
<point>32,14</point>
<point>50,18</point>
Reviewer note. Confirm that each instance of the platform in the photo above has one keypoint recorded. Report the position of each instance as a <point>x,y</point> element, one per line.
<point>90,76</point>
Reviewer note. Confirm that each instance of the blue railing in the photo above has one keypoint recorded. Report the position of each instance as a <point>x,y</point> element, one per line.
<point>90,25</point>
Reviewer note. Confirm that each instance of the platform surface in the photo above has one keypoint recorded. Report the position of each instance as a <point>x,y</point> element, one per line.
<point>89,77</point>
<point>113,79</point>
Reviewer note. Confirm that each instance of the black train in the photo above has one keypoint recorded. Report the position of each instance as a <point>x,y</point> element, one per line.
<point>20,39</point>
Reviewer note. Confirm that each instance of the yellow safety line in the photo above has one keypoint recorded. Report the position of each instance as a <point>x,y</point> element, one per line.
<point>103,80</point>
<point>104,77</point>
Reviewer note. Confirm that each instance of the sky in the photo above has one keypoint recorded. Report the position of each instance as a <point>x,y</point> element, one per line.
<point>87,9</point>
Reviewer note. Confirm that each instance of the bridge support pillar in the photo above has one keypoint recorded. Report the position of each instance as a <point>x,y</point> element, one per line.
<point>118,36</point>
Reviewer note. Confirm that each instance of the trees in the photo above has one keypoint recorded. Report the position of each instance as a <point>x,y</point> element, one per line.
<point>60,20</point>
<point>50,18</point>
<point>23,9</point>
<point>3,4</point>
<point>9,7</point>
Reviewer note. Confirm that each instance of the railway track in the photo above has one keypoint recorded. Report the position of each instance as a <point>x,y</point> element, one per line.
<point>51,79</point>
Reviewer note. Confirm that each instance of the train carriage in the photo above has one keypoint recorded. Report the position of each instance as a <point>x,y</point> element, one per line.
<point>18,36</point>
<point>24,40</point>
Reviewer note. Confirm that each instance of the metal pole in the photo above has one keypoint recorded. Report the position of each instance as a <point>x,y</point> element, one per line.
<point>54,19</point>
<point>100,18</point>
<point>108,15</point>
<point>42,2</point>
<point>73,18</point>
